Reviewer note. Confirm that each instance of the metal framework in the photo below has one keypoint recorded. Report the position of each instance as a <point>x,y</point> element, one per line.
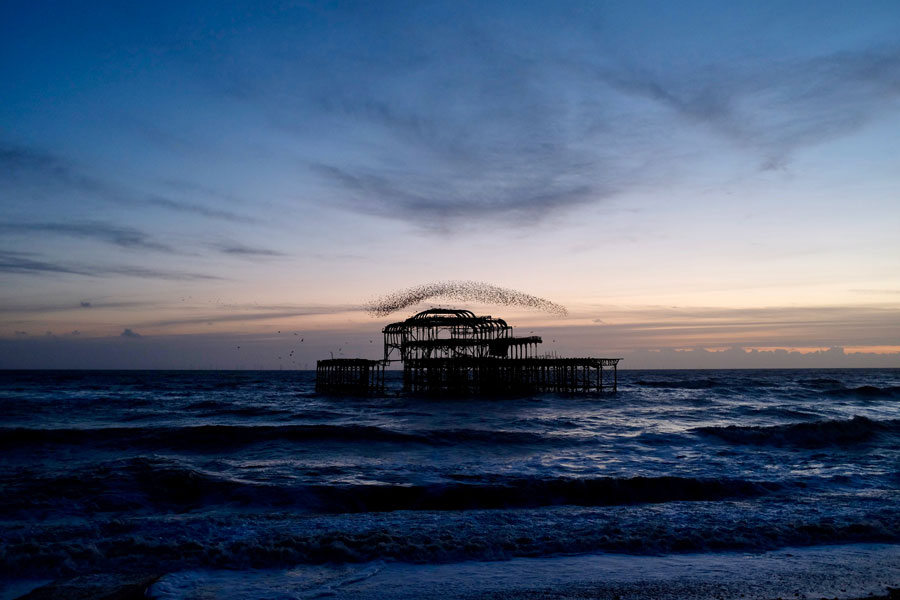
<point>448,333</point>
<point>499,376</point>
<point>448,351</point>
<point>357,376</point>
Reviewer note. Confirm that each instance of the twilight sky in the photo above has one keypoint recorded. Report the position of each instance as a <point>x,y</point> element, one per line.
<point>191,184</point>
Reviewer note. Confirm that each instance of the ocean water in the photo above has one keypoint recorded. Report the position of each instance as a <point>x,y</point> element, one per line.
<point>212,478</point>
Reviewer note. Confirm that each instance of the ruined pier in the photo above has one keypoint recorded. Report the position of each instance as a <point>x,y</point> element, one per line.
<point>455,352</point>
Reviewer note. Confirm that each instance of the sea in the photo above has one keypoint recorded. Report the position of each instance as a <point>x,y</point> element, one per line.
<point>249,484</point>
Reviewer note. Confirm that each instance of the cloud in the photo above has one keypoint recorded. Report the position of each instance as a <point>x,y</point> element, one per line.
<point>22,263</point>
<point>630,328</point>
<point>875,291</point>
<point>773,107</point>
<point>741,358</point>
<point>55,176</point>
<point>148,273</point>
<point>448,114</point>
<point>196,209</point>
<point>22,165</point>
<point>512,127</point>
<point>66,306</point>
<point>475,124</point>
<point>124,237</point>
<point>219,350</point>
<point>256,313</point>
<point>128,333</point>
<point>441,202</point>
<point>235,249</point>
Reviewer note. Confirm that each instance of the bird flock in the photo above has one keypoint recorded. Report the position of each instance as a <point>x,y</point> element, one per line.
<point>465,291</point>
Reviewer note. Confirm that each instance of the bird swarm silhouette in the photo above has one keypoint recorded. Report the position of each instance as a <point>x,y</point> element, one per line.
<point>466,291</point>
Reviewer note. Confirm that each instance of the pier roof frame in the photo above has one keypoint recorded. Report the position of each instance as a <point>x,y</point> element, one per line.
<point>438,318</point>
<point>423,332</point>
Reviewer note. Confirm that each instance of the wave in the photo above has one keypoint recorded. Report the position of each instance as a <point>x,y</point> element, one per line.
<point>732,382</point>
<point>157,483</point>
<point>533,493</point>
<point>199,436</point>
<point>695,384</point>
<point>206,437</point>
<point>806,435</point>
<point>781,412</point>
<point>176,544</point>
<point>821,382</point>
<point>866,392</point>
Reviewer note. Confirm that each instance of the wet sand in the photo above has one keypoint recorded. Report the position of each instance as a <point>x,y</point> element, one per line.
<point>844,572</point>
<point>860,571</point>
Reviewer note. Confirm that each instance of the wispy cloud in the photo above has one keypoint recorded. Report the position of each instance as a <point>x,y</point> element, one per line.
<point>773,107</point>
<point>54,176</point>
<point>798,326</point>
<point>22,263</point>
<point>52,307</point>
<point>23,165</point>
<point>469,127</point>
<point>149,273</point>
<point>236,249</point>
<point>124,237</point>
<point>255,313</point>
<point>496,128</point>
<point>437,203</point>
<point>194,208</point>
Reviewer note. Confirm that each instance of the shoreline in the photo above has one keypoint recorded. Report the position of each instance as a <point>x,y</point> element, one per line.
<point>845,572</point>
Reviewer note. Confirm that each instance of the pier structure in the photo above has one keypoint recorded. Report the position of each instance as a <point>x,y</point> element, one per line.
<point>450,351</point>
<point>358,376</point>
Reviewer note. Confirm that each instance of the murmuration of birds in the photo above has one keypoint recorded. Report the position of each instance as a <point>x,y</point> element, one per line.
<point>464,291</point>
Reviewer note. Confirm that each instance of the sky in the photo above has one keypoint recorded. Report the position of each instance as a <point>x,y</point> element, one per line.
<point>206,184</point>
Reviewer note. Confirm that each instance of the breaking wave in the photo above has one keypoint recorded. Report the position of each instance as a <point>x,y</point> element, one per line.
<point>158,483</point>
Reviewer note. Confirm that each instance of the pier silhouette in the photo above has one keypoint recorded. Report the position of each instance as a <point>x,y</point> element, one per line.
<point>452,351</point>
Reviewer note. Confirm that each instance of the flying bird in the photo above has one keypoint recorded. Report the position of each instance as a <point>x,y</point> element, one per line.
<point>467,291</point>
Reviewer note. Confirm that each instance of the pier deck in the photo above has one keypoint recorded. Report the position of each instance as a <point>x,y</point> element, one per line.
<point>350,376</point>
<point>498,376</point>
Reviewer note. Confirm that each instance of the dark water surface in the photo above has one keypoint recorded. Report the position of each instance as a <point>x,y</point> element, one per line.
<point>169,471</point>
